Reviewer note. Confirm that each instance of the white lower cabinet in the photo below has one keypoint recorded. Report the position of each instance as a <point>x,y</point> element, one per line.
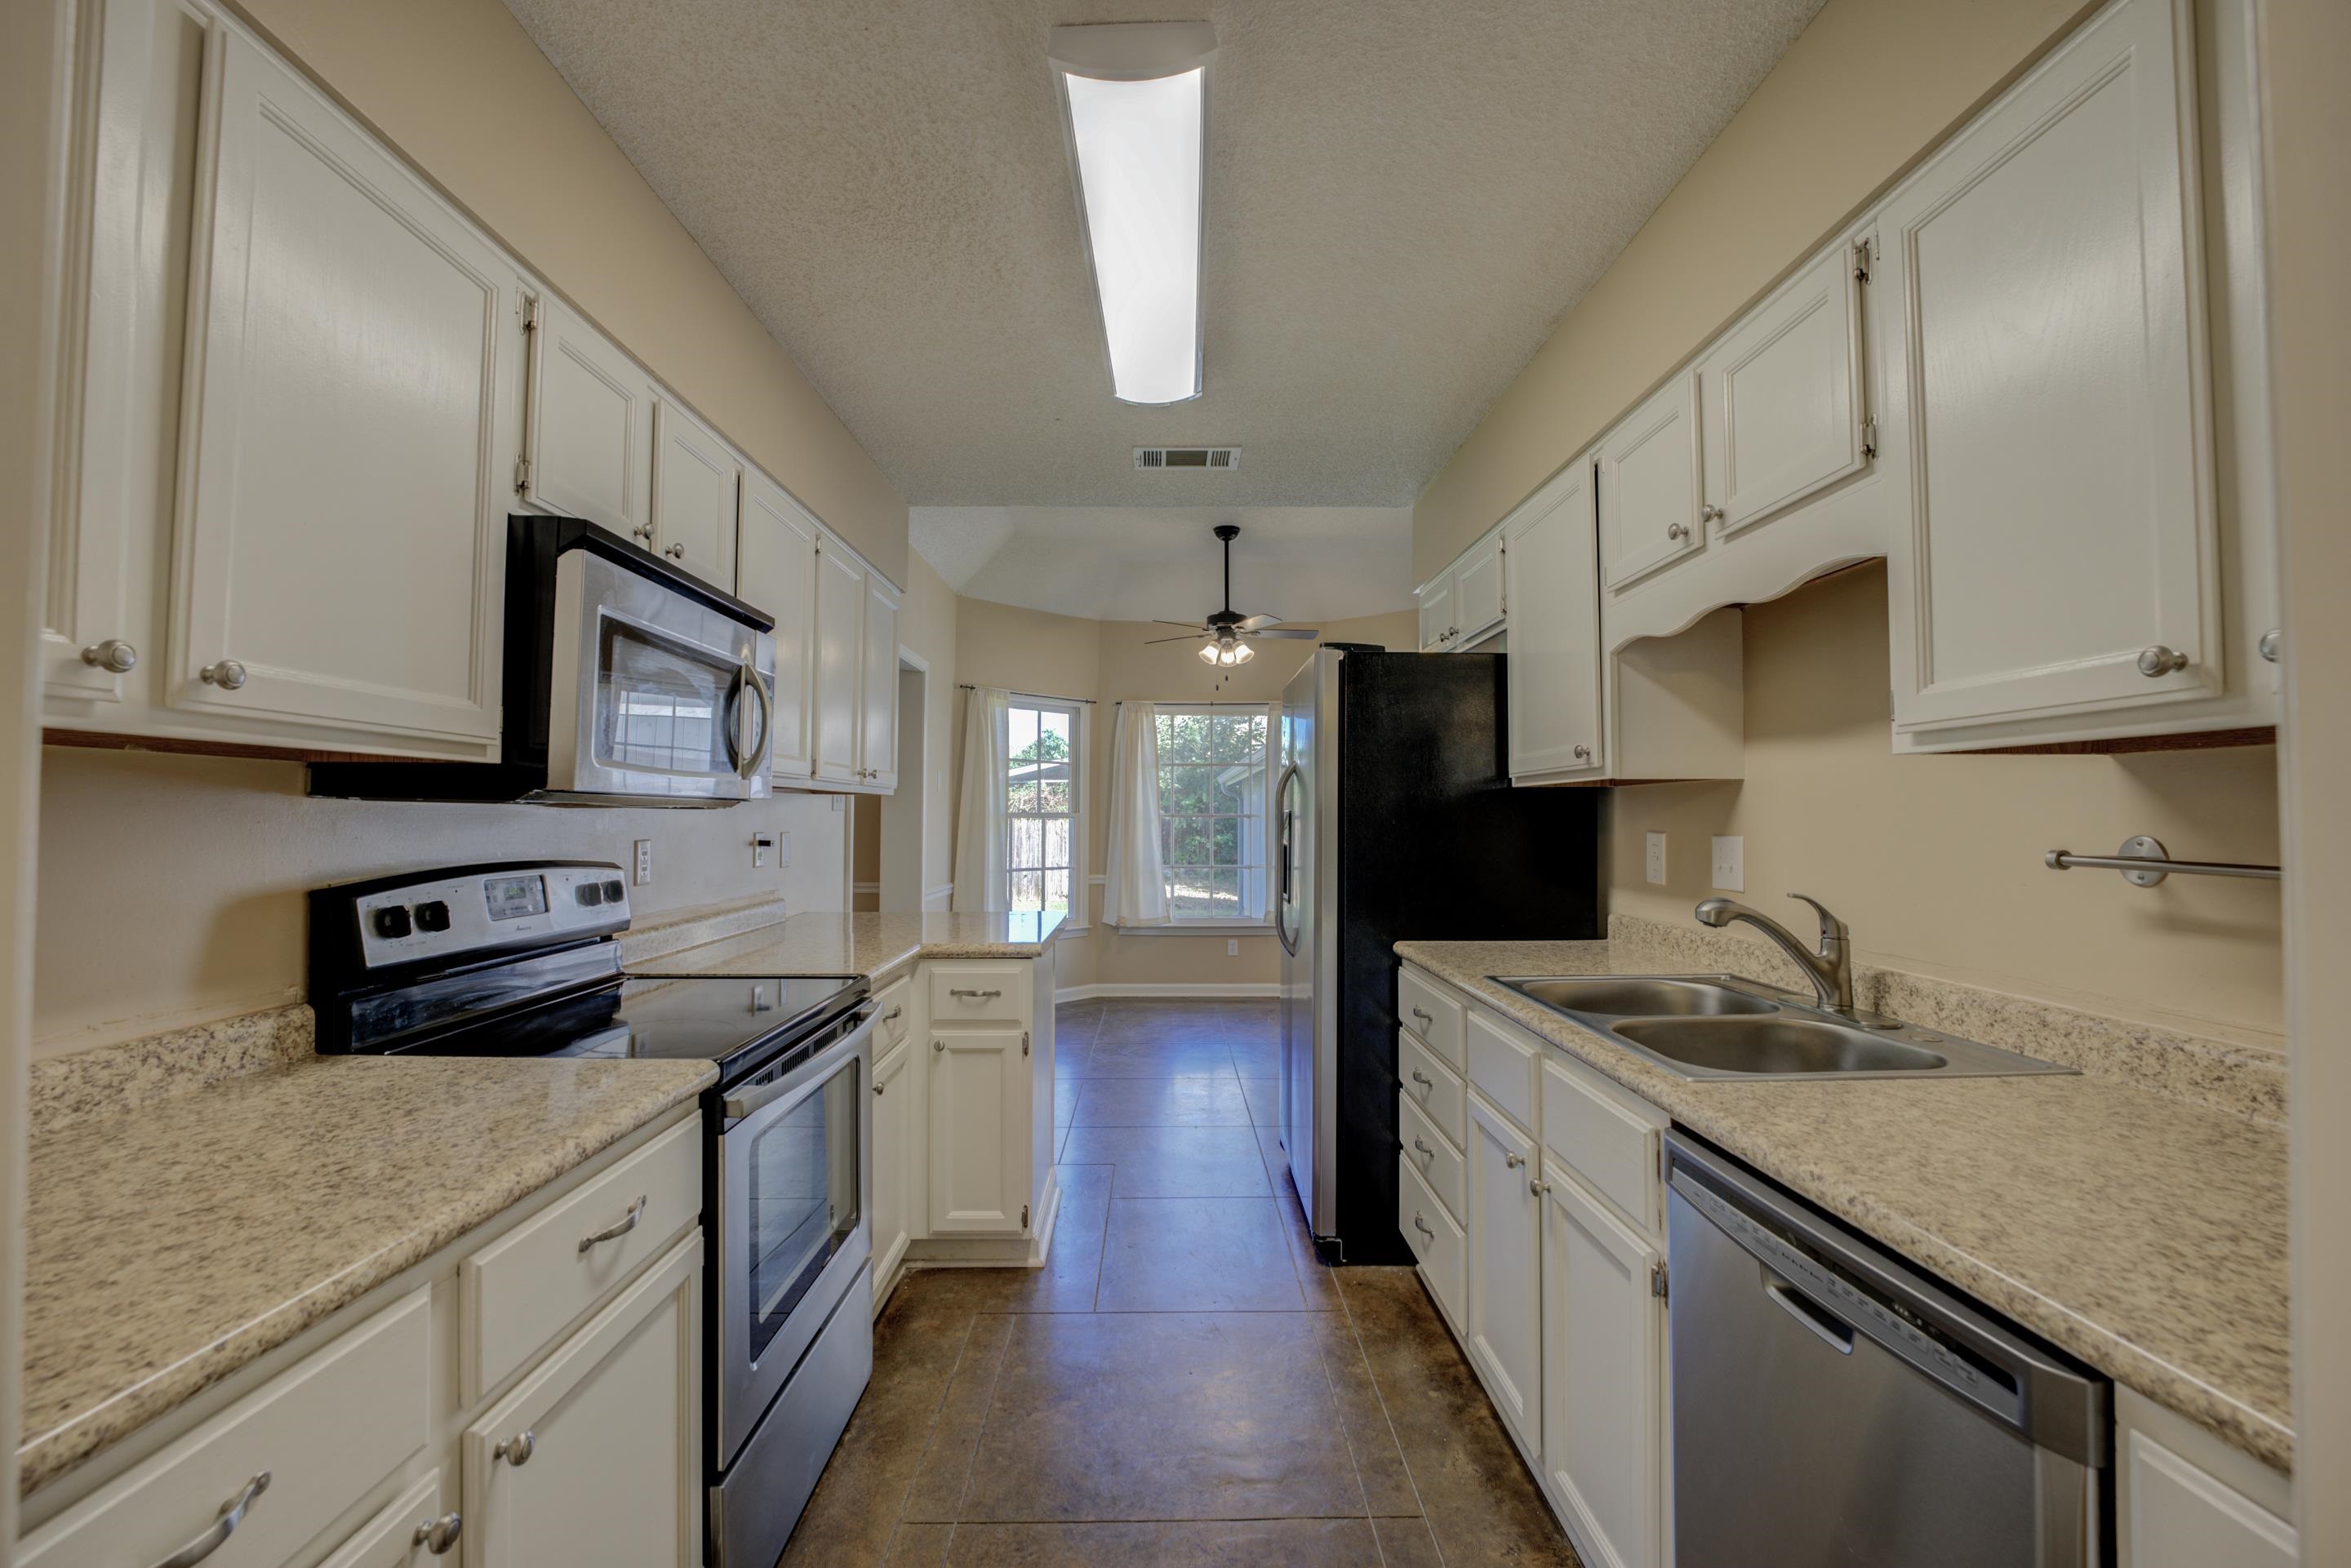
<point>1602,1376</point>
<point>404,1533</point>
<point>1506,1304</point>
<point>894,1127</point>
<point>978,1096</point>
<point>2183,1499</point>
<point>1437,1242</point>
<point>595,1457</point>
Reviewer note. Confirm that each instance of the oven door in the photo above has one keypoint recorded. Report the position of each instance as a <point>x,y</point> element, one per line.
<point>795,1190</point>
<point>652,694</point>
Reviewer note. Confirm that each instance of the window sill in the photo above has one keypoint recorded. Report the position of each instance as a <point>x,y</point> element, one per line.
<point>1199,929</point>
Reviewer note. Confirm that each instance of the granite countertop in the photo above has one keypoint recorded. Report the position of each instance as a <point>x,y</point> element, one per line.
<point>868,945</point>
<point>2145,1233</point>
<point>169,1246</point>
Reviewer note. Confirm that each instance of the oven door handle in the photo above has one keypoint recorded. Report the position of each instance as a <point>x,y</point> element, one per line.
<point>750,1104</point>
<point>748,759</point>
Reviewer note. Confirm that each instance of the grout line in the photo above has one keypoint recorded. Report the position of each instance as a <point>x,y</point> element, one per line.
<point>979,1433</point>
<point>1347,1310</point>
<point>930,1436</point>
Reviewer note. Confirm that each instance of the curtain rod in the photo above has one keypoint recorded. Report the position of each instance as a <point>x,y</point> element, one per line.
<point>1042,696</point>
<point>1178,701</point>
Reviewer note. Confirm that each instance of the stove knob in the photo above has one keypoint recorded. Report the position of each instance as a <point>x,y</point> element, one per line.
<point>614,893</point>
<point>433,917</point>
<point>590,893</point>
<point>391,921</point>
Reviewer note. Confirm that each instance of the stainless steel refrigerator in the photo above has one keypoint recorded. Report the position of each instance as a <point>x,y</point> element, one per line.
<point>1394,821</point>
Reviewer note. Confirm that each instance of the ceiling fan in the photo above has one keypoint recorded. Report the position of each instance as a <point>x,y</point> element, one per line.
<point>1228,632</point>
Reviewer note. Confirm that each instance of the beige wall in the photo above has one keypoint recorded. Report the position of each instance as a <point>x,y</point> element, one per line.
<point>1865,90</point>
<point>172,886</point>
<point>1056,655</point>
<point>1935,861</point>
<point>461,89</point>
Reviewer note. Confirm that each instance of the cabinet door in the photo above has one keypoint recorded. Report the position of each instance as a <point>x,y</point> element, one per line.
<point>1436,613</point>
<point>1505,1307</point>
<point>1649,484</point>
<point>2060,551</point>
<point>1478,592</point>
<point>877,705</point>
<point>696,487</point>
<point>839,649</point>
<point>1781,411</point>
<point>356,354</point>
<point>893,1130</point>
<point>1603,1378</point>
<point>588,424</point>
<point>978,1147</point>
<point>777,573</point>
<point>1552,683</point>
<point>608,1432</point>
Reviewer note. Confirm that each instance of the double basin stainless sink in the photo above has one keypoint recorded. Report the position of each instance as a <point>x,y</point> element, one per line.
<point>1720,1026</point>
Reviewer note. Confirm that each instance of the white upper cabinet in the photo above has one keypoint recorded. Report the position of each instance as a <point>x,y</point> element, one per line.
<point>1649,484</point>
<point>877,700</point>
<point>1552,691</point>
<point>1780,408</point>
<point>697,489</point>
<point>588,424</point>
<point>355,351</point>
<point>776,571</point>
<point>2061,552</point>
<point>1478,591</point>
<point>1435,602</point>
<point>840,600</point>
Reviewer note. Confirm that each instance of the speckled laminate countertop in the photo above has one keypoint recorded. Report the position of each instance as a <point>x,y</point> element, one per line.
<point>169,1246</point>
<point>868,945</point>
<point>2144,1234</point>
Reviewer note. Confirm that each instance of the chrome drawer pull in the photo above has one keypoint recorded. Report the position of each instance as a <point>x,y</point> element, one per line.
<point>1423,1078</point>
<point>1422,1015</point>
<point>232,1514</point>
<point>517,1450</point>
<point>891,1016</point>
<point>437,1535</point>
<point>980,996</point>
<point>1424,1148</point>
<point>613,1232</point>
<point>1422,1226</point>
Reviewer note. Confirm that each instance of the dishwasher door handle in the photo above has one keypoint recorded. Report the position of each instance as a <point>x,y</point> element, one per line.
<point>1831,1330</point>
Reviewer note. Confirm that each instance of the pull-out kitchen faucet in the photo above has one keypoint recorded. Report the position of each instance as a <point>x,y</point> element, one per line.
<point>1830,969</point>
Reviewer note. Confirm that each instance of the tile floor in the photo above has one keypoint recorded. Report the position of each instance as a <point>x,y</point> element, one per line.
<point>1184,1384</point>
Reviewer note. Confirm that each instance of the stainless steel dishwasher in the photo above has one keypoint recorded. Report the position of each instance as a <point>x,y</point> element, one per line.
<point>1832,1405</point>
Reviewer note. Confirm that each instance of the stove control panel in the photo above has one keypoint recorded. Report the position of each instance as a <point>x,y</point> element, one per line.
<point>448,915</point>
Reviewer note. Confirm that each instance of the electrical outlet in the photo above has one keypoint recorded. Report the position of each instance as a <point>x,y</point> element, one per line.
<point>1232,948</point>
<point>762,844</point>
<point>1657,863</point>
<point>1729,864</point>
<point>783,850</point>
<point>644,874</point>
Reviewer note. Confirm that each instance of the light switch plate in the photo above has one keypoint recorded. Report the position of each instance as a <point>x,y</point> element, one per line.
<point>1655,868</point>
<point>1729,864</point>
<point>783,850</point>
<point>762,844</point>
<point>644,862</point>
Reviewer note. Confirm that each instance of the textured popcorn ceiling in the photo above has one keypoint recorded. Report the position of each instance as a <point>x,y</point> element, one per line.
<point>1403,197</point>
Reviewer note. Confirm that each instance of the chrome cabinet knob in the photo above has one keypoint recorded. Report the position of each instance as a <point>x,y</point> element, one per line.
<point>1512,1162</point>
<point>227,674</point>
<point>1710,513</point>
<point>939,1045</point>
<point>1584,754</point>
<point>114,655</point>
<point>2160,661</point>
<point>2271,646</point>
<point>675,552</point>
<point>517,1450</point>
<point>1537,1187</point>
<point>437,1535</point>
<point>644,533</point>
<point>1676,531</point>
<point>877,1089</point>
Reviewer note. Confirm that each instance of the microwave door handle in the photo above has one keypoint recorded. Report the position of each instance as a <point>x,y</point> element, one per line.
<point>747,766</point>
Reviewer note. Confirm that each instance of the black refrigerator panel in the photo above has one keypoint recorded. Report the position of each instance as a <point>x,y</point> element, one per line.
<point>1434,844</point>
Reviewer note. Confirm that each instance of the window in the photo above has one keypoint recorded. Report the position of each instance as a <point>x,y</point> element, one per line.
<point>1045,855</point>
<point>1214,770</point>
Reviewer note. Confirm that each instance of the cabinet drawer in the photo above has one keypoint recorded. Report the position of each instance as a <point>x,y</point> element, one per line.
<point>1503,1062</point>
<point>1613,1145</point>
<point>518,1292</point>
<point>979,993</point>
<point>1436,1239</point>
<point>1432,1154</point>
<point>1434,1087</point>
<point>326,1431</point>
<point>1428,1012</point>
<point>890,1023</point>
<point>389,1540</point>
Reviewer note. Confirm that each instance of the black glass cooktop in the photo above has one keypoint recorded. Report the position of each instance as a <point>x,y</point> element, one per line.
<point>662,1019</point>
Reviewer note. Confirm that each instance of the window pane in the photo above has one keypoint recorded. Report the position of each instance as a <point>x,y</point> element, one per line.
<point>1225,839</point>
<point>1057,892</point>
<point>1188,840</point>
<point>1183,737</point>
<point>1022,736</point>
<point>1057,843</point>
<point>1028,889</point>
<point>1231,790</point>
<point>1238,737</point>
<point>1022,797</point>
<point>1188,894</point>
<point>1053,795</point>
<point>1028,841</point>
<point>1224,901</point>
<point>1183,791</point>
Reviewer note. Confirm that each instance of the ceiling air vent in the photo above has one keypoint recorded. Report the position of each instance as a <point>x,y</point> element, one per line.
<point>1187,457</point>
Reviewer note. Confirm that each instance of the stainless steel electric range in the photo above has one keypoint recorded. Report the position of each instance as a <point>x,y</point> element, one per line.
<point>523,960</point>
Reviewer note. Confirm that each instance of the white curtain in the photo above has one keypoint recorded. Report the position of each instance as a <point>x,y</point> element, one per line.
<point>1135,891</point>
<point>981,847</point>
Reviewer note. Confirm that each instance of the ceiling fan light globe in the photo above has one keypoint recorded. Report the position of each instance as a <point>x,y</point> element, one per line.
<point>1207,652</point>
<point>1243,654</point>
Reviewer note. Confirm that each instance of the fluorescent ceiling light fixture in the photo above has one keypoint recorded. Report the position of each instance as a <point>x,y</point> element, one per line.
<point>1135,112</point>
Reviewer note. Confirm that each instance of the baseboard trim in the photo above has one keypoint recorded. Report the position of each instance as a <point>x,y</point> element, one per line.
<point>1237,990</point>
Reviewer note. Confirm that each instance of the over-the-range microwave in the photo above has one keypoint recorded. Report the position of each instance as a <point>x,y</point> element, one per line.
<point>627,681</point>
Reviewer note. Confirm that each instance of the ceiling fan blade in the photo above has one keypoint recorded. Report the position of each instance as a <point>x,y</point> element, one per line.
<point>1258,623</point>
<point>1195,637</point>
<point>1298,632</point>
<point>1188,625</point>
